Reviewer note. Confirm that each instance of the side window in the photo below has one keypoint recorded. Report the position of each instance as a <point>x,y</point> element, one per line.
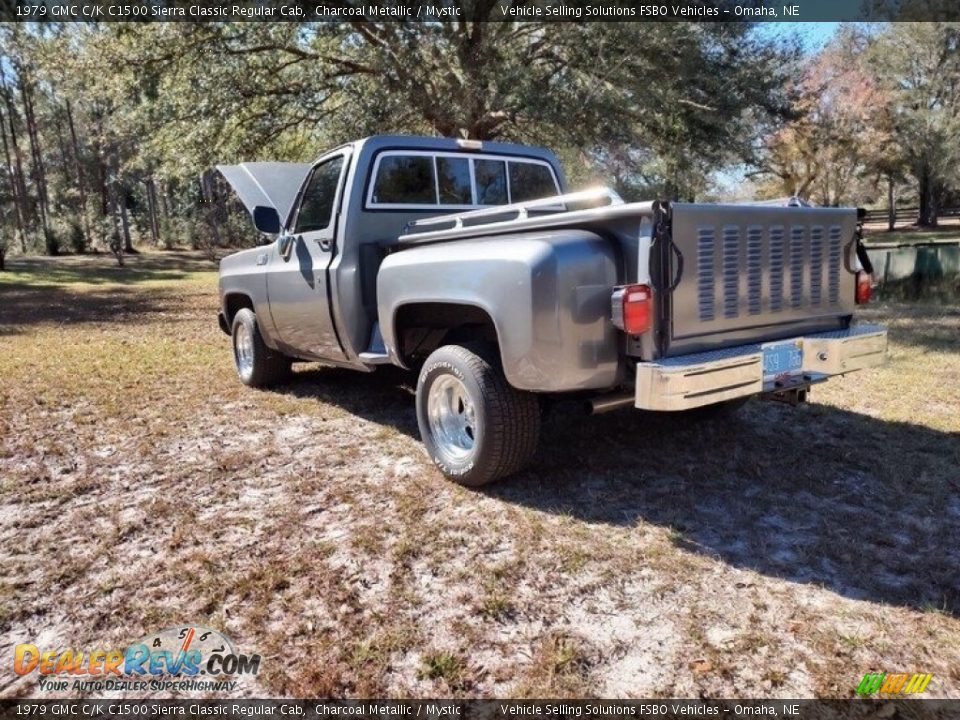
<point>405,179</point>
<point>529,181</point>
<point>453,179</point>
<point>316,208</point>
<point>491,176</point>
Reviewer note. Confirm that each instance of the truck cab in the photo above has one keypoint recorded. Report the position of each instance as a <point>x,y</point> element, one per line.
<point>344,216</point>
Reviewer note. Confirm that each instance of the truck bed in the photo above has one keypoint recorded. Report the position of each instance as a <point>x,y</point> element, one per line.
<point>723,275</point>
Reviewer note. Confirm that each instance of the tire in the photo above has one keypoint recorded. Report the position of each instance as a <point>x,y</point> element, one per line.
<point>475,426</point>
<point>257,365</point>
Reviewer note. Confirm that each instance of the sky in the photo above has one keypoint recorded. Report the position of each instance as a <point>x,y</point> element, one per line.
<point>814,35</point>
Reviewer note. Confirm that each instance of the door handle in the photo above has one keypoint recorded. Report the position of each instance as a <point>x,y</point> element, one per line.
<point>325,244</point>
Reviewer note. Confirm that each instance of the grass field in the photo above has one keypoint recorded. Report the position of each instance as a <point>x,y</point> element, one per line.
<point>785,553</point>
<point>948,231</point>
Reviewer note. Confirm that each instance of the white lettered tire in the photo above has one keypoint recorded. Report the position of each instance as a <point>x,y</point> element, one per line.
<point>476,427</point>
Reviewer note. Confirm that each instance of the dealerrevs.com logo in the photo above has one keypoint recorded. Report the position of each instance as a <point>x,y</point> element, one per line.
<point>182,658</point>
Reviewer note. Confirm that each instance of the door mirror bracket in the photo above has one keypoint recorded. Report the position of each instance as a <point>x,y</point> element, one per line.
<point>285,245</point>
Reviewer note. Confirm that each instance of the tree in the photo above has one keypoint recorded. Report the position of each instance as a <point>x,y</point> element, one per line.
<point>284,88</point>
<point>112,129</point>
<point>918,64</point>
<point>840,142</point>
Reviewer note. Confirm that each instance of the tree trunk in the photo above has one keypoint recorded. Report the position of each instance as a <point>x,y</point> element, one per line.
<point>928,200</point>
<point>125,221</point>
<point>165,199</point>
<point>18,199</point>
<point>18,176</point>
<point>36,152</point>
<point>152,208</point>
<point>209,211</point>
<point>81,183</point>
<point>891,205</point>
<point>116,237</point>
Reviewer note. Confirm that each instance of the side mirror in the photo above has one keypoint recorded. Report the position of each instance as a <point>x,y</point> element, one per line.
<point>266,219</point>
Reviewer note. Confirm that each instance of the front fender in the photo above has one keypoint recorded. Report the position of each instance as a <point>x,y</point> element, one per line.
<point>242,273</point>
<point>547,294</point>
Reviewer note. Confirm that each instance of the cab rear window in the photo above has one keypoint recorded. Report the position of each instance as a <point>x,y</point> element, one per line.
<point>453,181</point>
<point>405,179</point>
<point>529,181</point>
<point>424,180</point>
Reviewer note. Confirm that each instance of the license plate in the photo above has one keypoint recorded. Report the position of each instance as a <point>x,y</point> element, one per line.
<point>783,358</point>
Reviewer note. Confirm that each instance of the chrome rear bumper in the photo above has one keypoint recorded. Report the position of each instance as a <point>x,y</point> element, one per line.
<point>690,381</point>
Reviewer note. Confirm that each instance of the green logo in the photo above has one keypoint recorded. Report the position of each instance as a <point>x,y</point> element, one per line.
<point>893,683</point>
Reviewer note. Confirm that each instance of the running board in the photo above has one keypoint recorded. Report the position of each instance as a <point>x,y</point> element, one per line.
<point>377,353</point>
<point>371,358</point>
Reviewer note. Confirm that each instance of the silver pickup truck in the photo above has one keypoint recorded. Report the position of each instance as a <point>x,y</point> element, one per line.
<point>469,261</point>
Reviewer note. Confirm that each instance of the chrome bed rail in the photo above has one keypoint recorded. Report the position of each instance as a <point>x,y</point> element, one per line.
<point>515,217</point>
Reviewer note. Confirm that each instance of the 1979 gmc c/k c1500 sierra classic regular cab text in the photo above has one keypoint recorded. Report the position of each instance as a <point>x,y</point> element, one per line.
<point>470,261</point>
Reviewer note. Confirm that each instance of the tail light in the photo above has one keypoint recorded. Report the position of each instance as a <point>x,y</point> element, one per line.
<point>864,287</point>
<point>632,308</point>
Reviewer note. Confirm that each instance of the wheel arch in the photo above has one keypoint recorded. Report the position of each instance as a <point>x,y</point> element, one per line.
<point>419,328</point>
<point>232,303</point>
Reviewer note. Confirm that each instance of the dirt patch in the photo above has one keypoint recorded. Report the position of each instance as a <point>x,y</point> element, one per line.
<point>784,554</point>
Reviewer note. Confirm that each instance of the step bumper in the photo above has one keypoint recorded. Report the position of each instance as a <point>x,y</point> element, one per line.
<point>691,381</point>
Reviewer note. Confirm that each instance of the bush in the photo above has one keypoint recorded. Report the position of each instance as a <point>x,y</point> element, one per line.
<point>51,241</point>
<point>78,241</point>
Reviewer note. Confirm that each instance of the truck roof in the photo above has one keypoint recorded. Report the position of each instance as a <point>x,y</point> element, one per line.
<point>276,184</point>
<point>422,142</point>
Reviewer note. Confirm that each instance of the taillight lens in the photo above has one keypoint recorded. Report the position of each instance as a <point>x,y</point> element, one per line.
<point>633,308</point>
<point>864,287</point>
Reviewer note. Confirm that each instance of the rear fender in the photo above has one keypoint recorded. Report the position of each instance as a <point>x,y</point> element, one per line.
<point>546,294</point>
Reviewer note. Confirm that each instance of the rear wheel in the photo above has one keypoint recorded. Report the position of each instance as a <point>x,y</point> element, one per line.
<point>475,426</point>
<point>257,365</point>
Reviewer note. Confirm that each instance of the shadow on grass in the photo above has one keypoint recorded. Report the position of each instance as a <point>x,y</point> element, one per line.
<point>30,305</point>
<point>102,269</point>
<point>92,289</point>
<point>814,494</point>
<point>385,396</point>
<point>926,325</point>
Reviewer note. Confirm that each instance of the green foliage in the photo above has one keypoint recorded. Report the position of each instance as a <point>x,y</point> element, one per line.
<point>919,64</point>
<point>879,105</point>
<point>134,114</point>
<point>691,96</point>
<point>51,241</point>
<point>78,241</point>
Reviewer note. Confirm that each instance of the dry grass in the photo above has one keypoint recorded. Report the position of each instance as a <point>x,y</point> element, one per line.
<point>141,486</point>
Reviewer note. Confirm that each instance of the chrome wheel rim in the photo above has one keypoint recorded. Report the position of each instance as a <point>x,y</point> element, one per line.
<point>452,417</point>
<point>243,348</point>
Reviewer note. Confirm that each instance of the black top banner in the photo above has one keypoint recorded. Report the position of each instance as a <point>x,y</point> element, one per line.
<point>384,709</point>
<point>476,10</point>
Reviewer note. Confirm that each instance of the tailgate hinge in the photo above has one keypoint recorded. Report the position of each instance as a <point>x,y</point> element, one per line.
<point>666,251</point>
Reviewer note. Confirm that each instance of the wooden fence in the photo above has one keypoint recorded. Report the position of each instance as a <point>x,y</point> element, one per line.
<point>906,214</point>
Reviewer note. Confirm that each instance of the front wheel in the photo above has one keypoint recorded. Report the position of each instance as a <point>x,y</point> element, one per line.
<point>476,427</point>
<point>257,365</point>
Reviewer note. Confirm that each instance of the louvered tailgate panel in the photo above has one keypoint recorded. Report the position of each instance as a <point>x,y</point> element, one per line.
<point>757,272</point>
